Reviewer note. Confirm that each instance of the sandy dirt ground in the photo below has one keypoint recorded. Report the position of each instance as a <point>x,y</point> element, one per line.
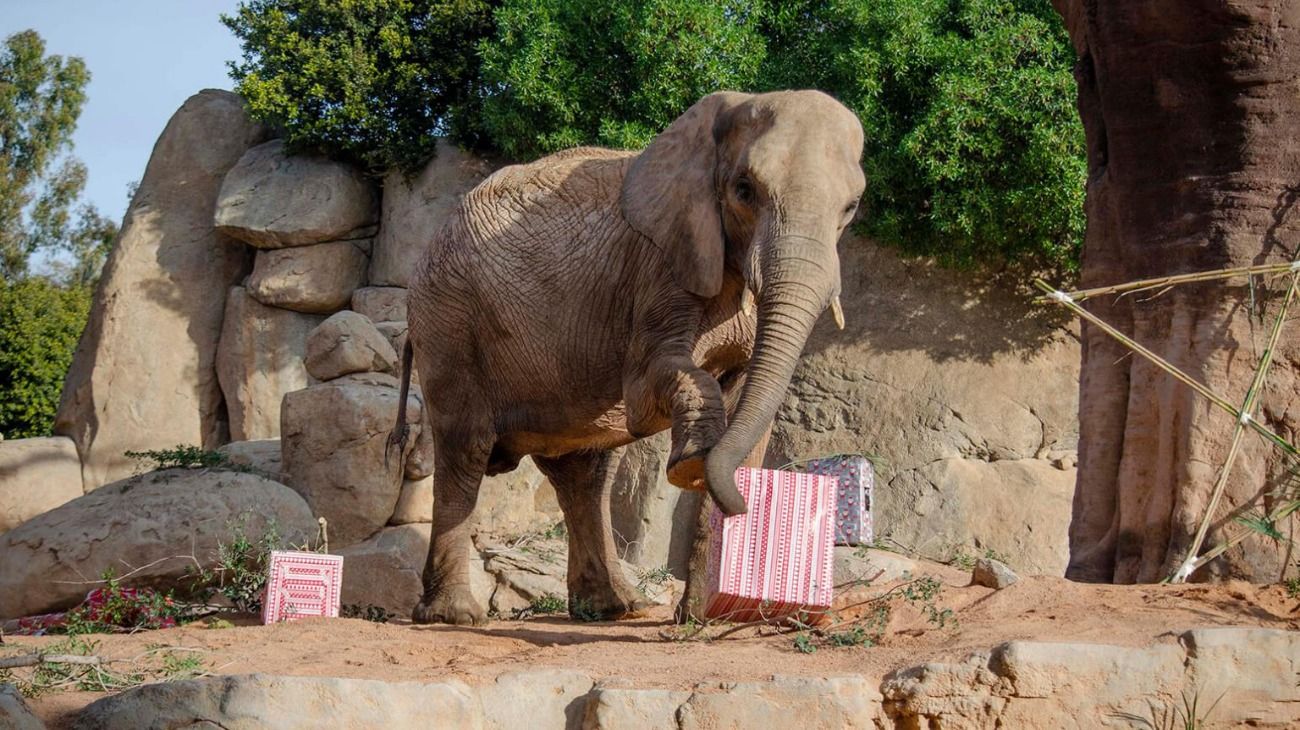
<point>650,653</point>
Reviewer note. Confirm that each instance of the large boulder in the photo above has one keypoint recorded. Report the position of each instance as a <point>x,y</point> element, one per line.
<point>144,375</point>
<point>273,200</point>
<point>149,529</point>
<point>381,303</point>
<point>259,359</point>
<point>413,210</point>
<point>36,475</point>
<point>333,437</point>
<point>346,343</point>
<point>14,713</point>
<point>317,279</point>
<point>965,391</point>
<point>262,456</point>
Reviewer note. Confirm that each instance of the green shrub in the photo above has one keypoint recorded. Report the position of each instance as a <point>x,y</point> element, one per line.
<point>370,81</point>
<point>975,152</point>
<point>40,323</point>
<point>562,73</point>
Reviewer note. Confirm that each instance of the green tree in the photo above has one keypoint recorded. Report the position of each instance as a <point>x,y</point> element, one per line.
<point>561,73</point>
<point>40,322</point>
<point>372,81</point>
<point>974,153</point>
<point>40,100</point>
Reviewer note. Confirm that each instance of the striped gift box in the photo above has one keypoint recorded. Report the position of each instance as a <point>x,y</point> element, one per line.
<point>776,559</point>
<point>299,585</point>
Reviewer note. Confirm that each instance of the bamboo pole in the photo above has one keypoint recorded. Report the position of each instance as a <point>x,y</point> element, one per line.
<point>1247,407</point>
<point>1165,281</point>
<point>1214,398</point>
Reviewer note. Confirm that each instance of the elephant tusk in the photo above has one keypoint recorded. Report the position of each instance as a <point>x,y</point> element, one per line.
<point>747,301</point>
<point>837,311</point>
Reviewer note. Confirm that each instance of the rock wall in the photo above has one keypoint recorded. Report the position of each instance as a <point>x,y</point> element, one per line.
<point>963,392</point>
<point>143,375</point>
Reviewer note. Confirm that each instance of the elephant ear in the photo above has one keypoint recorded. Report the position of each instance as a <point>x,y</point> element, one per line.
<point>669,196</point>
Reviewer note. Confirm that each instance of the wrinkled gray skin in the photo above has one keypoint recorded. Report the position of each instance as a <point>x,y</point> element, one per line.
<point>594,297</point>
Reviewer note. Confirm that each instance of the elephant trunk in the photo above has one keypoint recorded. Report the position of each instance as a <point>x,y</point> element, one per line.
<point>800,276</point>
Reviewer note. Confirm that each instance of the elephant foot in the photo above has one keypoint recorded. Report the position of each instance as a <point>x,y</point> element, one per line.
<point>686,467</point>
<point>450,606</point>
<point>611,604</point>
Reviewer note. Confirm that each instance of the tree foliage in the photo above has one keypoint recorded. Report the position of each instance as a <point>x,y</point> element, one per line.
<point>974,149</point>
<point>40,184</point>
<point>561,73</point>
<point>371,81</point>
<point>40,322</point>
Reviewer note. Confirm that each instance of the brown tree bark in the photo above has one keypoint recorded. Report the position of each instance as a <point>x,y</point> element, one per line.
<point>1192,115</point>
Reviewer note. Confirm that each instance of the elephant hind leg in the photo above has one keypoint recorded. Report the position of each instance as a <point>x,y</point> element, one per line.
<point>598,590</point>
<point>460,460</point>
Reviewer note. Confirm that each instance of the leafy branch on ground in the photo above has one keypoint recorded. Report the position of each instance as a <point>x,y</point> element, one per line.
<point>819,627</point>
<point>966,561</point>
<point>73,663</point>
<point>369,612</point>
<point>184,456</point>
<point>239,573</point>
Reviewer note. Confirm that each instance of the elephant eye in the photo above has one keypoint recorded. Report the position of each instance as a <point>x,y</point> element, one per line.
<point>744,190</point>
<point>852,206</point>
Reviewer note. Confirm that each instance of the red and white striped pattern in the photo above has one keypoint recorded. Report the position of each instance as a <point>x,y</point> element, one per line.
<point>299,585</point>
<point>776,559</point>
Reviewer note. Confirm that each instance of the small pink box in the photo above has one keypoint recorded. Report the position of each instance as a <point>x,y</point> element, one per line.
<point>302,584</point>
<point>776,559</point>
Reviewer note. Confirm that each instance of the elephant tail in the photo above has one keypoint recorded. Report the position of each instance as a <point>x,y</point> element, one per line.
<point>402,429</point>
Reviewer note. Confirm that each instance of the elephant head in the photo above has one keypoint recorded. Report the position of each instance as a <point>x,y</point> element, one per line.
<point>762,185</point>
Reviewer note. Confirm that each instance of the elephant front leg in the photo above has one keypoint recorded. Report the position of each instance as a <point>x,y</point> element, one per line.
<point>447,598</point>
<point>597,587</point>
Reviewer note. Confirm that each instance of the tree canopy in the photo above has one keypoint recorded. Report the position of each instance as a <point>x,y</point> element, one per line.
<point>974,151</point>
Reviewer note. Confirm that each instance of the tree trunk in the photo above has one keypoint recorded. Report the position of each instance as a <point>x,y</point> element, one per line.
<point>1192,114</point>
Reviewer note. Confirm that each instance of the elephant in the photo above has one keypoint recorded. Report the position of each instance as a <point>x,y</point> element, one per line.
<point>587,299</point>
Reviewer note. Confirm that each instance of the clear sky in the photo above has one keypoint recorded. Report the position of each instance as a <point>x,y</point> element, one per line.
<point>145,58</point>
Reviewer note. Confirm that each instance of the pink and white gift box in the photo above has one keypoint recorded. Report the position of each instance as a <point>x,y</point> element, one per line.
<point>299,585</point>
<point>853,499</point>
<point>775,560</point>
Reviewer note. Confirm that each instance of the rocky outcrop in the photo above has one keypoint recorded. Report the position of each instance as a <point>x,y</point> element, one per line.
<point>413,210</point>
<point>273,200</point>
<point>316,279</point>
<point>36,475</point>
<point>964,391</point>
<point>347,343</point>
<point>1040,686</point>
<point>259,359</point>
<point>244,702</point>
<point>333,438</point>
<point>144,376</point>
<point>152,526</point>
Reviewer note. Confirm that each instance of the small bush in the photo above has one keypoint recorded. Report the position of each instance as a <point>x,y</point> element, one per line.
<point>182,457</point>
<point>40,323</point>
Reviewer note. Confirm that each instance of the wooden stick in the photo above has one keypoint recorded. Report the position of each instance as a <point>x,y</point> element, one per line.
<point>1165,281</point>
<point>1247,407</point>
<point>1214,398</point>
<point>31,660</point>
